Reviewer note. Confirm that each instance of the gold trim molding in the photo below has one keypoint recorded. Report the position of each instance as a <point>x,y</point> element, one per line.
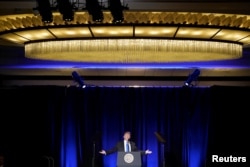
<point>20,28</point>
<point>148,36</point>
<point>20,21</point>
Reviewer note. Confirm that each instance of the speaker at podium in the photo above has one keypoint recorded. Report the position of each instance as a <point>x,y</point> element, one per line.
<point>129,159</point>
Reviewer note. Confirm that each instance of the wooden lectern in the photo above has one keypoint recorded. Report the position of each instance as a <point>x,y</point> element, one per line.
<point>129,159</point>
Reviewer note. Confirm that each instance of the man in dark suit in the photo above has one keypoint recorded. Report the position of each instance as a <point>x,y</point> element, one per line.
<point>125,146</point>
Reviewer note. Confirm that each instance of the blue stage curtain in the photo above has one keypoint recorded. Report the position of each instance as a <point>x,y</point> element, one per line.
<point>86,120</point>
<point>72,124</point>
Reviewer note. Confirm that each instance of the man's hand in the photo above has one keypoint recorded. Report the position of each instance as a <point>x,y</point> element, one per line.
<point>102,152</point>
<point>148,152</point>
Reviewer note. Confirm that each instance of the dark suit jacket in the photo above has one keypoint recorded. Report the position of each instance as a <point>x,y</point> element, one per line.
<point>120,147</point>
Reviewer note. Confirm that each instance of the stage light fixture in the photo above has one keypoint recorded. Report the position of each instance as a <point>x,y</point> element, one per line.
<point>78,79</point>
<point>116,10</point>
<point>95,10</point>
<point>66,9</point>
<point>191,78</point>
<point>44,9</point>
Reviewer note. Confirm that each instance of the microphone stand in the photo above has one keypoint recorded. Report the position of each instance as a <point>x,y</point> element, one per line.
<point>162,141</point>
<point>96,139</point>
<point>93,156</point>
<point>163,154</point>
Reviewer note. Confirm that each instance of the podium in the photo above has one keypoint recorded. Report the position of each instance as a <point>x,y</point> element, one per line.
<point>129,159</point>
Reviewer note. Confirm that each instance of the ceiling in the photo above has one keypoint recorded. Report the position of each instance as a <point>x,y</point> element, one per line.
<point>14,66</point>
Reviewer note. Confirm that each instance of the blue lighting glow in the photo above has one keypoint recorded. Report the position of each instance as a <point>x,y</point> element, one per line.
<point>195,158</point>
<point>68,156</point>
<point>38,64</point>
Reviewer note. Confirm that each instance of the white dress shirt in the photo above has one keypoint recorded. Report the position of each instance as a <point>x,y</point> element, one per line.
<point>125,144</point>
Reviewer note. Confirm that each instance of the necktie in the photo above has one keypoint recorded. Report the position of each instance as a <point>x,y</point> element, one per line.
<point>127,147</point>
